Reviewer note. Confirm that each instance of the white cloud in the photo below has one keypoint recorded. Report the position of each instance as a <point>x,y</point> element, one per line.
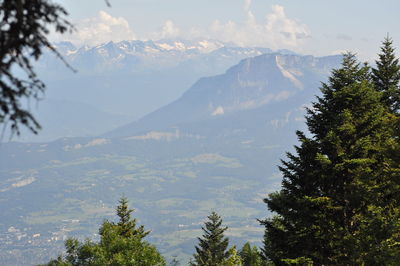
<point>277,31</point>
<point>100,29</point>
<point>169,30</point>
<point>246,5</point>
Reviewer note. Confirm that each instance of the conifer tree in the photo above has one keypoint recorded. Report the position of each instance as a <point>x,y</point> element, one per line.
<point>250,255</point>
<point>338,205</point>
<point>212,247</point>
<point>120,244</point>
<point>126,225</point>
<point>233,259</point>
<point>386,75</point>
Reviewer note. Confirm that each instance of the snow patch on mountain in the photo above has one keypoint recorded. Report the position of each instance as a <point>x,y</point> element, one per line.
<point>138,55</point>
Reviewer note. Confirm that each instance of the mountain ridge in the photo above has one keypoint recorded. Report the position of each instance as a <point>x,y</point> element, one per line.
<point>246,85</point>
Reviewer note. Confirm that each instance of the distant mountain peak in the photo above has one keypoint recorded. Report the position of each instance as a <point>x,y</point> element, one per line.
<point>149,55</point>
<point>254,83</point>
<point>199,46</point>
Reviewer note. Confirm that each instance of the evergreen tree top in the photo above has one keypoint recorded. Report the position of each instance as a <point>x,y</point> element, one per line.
<point>250,255</point>
<point>212,247</point>
<point>386,75</point>
<point>350,72</point>
<point>123,212</point>
<point>324,112</point>
<point>213,226</point>
<point>126,226</point>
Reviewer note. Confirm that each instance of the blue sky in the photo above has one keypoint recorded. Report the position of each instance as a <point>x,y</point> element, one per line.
<point>318,27</point>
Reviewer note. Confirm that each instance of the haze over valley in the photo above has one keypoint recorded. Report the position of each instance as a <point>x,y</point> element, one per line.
<point>238,133</point>
<point>216,146</point>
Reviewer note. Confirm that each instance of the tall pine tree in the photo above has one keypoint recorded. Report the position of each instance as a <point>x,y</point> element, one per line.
<point>386,217</point>
<point>212,247</point>
<point>337,187</point>
<point>386,75</point>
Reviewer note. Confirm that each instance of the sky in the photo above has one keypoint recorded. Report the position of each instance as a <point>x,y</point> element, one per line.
<point>317,27</point>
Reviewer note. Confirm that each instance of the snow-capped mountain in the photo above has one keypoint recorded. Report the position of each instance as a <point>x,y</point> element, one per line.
<point>136,56</point>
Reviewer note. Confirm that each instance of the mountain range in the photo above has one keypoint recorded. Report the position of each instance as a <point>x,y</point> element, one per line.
<point>215,147</point>
<point>140,77</point>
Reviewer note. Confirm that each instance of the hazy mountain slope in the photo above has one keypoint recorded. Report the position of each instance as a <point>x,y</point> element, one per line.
<point>253,83</point>
<point>157,71</point>
<point>61,118</point>
<point>128,78</point>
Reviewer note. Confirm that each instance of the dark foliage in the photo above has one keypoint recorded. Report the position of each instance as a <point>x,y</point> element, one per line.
<point>24,27</point>
<point>339,199</point>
